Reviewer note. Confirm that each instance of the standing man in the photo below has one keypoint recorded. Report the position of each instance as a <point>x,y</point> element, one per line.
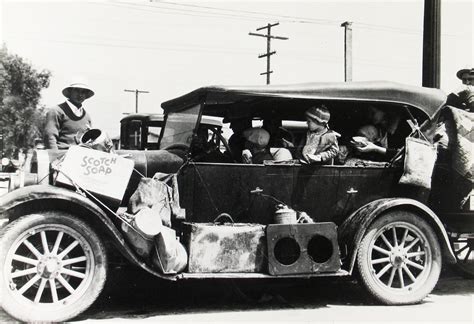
<point>464,98</point>
<point>68,119</point>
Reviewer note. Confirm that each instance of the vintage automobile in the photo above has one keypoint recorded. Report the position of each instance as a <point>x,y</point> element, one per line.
<point>55,241</point>
<point>142,131</point>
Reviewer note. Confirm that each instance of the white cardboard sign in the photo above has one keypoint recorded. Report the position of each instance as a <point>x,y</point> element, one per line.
<point>99,172</point>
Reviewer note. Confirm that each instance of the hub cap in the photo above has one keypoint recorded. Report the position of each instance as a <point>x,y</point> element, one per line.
<point>50,264</point>
<point>399,257</point>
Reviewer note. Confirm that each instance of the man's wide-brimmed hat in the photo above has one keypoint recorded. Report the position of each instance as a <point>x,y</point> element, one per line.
<point>469,72</point>
<point>319,113</point>
<point>78,85</point>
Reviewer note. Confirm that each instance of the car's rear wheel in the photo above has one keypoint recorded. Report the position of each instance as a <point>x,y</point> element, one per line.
<point>52,267</point>
<point>399,259</point>
<point>463,247</point>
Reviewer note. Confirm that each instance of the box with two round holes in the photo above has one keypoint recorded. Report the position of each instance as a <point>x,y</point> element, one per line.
<point>302,248</point>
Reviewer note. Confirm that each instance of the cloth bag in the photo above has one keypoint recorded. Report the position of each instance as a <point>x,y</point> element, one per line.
<point>420,158</point>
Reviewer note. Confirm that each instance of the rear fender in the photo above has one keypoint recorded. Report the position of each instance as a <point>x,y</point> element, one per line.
<point>38,198</point>
<point>351,232</point>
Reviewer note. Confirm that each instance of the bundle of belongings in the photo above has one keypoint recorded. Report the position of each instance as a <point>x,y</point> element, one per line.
<point>151,210</point>
<point>454,177</point>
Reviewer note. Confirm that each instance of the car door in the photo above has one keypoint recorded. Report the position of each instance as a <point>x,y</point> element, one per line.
<point>361,185</point>
<point>209,189</point>
<point>315,189</point>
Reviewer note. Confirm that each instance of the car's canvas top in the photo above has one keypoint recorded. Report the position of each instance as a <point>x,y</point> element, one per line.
<point>428,100</point>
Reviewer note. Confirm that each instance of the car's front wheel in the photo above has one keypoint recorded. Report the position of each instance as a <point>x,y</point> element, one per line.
<point>52,267</point>
<point>399,258</point>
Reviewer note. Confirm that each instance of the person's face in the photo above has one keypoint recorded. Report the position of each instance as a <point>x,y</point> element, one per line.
<point>77,96</point>
<point>467,79</point>
<point>376,115</point>
<point>314,125</point>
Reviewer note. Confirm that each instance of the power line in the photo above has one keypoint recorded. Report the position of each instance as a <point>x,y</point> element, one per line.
<point>178,11</point>
<point>294,18</point>
<point>286,18</point>
<point>195,49</point>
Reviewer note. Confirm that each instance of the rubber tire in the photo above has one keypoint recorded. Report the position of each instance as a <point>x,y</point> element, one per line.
<point>16,309</point>
<point>365,273</point>
<point>467,271</point>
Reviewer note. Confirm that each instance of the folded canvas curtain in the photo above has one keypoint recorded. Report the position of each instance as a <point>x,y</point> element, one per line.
<point>461,140</point>
<point>454,175</point>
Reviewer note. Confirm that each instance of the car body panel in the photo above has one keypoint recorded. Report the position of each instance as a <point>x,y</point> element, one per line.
<point>354,227</point>
<point>35,198</point>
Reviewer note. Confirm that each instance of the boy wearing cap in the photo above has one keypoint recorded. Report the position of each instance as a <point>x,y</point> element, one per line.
<point>256,150</point>
<point>320,145</point>
<point>66,120</point>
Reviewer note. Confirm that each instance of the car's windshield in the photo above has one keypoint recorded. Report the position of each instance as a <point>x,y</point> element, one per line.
<point>179,127</point>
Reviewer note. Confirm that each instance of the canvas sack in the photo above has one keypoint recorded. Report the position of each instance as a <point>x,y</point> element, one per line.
<point>420,158</point>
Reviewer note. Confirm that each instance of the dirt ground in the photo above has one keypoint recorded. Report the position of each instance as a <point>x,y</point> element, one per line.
<point>133,295</point>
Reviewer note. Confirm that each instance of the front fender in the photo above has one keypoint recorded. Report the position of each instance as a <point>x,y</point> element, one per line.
<point>38,198</point>
<point>352,231</point>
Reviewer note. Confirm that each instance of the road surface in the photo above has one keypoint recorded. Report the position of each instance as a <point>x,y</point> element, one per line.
<point>133,295</point>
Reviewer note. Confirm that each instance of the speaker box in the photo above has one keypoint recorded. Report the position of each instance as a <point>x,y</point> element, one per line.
<point>302,248</point>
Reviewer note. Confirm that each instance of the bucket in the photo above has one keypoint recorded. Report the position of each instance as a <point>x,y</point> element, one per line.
<point>285,215</point>
<point>97,140</point>
<point>141,231</point>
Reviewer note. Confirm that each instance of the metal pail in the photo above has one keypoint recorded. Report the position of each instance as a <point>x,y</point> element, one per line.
<point>285,215</point>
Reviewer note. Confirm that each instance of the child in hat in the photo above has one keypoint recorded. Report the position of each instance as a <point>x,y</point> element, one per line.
<point>256,150</point>
<point>320,144</point>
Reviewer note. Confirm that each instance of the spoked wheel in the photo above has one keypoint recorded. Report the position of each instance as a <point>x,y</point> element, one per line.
<point>463,247</point>
<point>399,259</point>
<point>52,267</point>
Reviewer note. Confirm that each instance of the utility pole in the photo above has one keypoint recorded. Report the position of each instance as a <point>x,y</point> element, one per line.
<point>347,50</point>
<point>136,96</point>
<point>269,53</point>
<point>432,44</point>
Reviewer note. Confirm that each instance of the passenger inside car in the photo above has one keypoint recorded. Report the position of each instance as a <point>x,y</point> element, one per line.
<point>279,137</point>
<point>320,144</point>
<point>256,142</point>
<point>257,149</point>
<point>204,149</point>
<point>381,138</point>
<point>237,140</point>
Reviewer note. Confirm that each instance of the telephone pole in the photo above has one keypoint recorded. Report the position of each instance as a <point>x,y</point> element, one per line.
<point>432,44</point>
<point>136,96</point>
<point>269,53</point>
<point>347,50</point>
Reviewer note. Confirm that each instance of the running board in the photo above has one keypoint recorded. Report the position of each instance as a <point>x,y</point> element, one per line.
<point>234,275</point>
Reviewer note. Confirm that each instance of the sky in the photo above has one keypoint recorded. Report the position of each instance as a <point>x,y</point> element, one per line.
<point>172,47</point>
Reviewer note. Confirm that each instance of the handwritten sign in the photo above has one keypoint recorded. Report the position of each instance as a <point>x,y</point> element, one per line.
<point>98,172</point>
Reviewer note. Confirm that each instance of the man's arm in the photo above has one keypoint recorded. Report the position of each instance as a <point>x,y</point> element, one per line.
<point>51,129</point>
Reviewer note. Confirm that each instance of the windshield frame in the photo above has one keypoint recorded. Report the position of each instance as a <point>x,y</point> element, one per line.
<point>185,136</point>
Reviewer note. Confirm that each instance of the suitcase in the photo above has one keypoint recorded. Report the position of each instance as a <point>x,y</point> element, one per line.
<point>228,247</point>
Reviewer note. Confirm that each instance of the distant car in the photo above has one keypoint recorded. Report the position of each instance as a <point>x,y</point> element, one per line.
<point>142,131</point>
<point>55,241</point>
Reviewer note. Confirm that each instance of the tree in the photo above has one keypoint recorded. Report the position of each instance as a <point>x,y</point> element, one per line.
<point>21,116</point>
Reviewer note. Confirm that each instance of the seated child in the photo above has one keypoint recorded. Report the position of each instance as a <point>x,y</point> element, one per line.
<point>256,150</point>
<point>320,144</point>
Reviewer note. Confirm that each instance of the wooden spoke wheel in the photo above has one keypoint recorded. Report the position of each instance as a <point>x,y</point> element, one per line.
<point>53,266</point>
<point>399,259</point>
